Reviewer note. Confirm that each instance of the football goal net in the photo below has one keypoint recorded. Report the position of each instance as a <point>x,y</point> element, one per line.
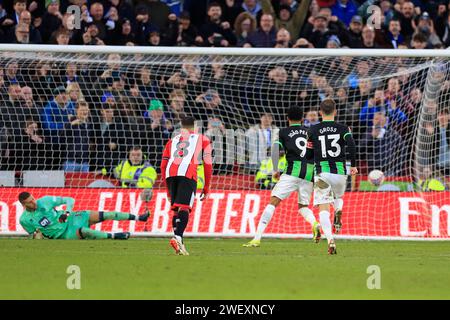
<point>91,123</point>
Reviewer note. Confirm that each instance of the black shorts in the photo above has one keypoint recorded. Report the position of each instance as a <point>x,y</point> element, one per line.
<point>182,192</point>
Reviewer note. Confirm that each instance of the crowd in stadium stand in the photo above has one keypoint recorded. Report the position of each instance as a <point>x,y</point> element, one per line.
<point>98,114</point>
<point>227,23</point>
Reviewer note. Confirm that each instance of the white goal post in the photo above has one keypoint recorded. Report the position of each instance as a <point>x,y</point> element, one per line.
<point>70,116</point>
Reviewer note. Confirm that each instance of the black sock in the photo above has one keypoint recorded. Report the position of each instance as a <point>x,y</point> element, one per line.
<point>100,216</point>
<point>132,217</point>
<point>183,217</point>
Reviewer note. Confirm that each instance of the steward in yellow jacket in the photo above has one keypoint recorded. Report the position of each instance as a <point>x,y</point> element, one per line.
<point>264,177</point>
<point>136,172</point>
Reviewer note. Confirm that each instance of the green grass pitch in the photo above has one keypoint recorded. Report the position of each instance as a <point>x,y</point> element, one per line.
<point>223,269</point>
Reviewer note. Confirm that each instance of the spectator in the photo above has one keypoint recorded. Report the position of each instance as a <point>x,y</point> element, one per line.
<point>334,25</point>
<point>143,25</point>
<point>159,12</point>
<point>259,140</point>
<point>154,39</point>
<point>12,113</point>
<point>344,10</point>
<point>223,159</point>
<point>353,36</point>
<point>124,33</point>
<point>265,36</point>
<point>62,37</point>
<point>156,117</point>
<point>74,92</point>
<point>76,138</point>
<point>57,112</point>
<point>22,33</point>
<point>384,147</point>
<point>215,31</point>
<point>394,35</point>
<point>311,118</point>
<point>97,13</point>
<point>406,15</point>
<point>361,72</point>
<point>12,73</point>
<point>70,75</point>
<point>426,26</point>
<point>51,20</point>
<point>368,38</point>
<point>34,34</point>
<point>209,105</point>
<point>320,33</point>
<point>442,24</point>
<point>177,101</point>
<point>12,19</point>
<point>231,10</point>
<point>333,42</point>
<point>92,35</point>
<point>147,87</point>
<point>253,7</point>
<point>188,34</point>
<point>419,41</point>
<point>289,19</point>
<point>29,147</point>
<point>30,108</point>
<point>136,171</point>
<point>444,142</point>
<point>109,139</point>
<point>283,39</point>
<point>243,26</point>
<point>379,104</point>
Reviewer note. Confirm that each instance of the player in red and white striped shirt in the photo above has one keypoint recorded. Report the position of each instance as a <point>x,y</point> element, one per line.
<point>181,156</point>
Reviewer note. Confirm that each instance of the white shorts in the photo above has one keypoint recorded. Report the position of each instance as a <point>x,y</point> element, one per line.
<point>335,190</point>
<point>288,184</point>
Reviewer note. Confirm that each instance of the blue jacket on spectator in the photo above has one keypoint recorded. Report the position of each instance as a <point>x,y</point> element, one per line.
<point>344,12</point>
<point>54,117</point>
<point>175,6</point>
<point>260,39</point>
<point>367,113</point>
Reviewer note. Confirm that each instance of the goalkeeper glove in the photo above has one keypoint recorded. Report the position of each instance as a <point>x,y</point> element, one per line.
<point>62,218</point>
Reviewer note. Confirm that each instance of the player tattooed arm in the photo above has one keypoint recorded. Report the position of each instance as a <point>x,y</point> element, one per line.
<point>351,151</point>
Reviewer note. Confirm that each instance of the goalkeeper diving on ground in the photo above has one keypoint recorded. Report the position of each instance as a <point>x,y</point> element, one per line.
<point>41,218</point>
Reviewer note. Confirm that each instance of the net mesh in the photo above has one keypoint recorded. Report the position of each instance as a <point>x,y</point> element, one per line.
<point>70,120</point>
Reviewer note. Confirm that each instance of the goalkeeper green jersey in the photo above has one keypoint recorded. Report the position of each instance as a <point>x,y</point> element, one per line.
<point>46,218</point>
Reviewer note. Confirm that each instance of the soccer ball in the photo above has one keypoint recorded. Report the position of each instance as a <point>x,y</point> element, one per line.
<point>376,177</point>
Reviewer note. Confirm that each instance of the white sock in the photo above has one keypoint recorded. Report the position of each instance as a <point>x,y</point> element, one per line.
<point>326,224</point>
<point>308,215</point>
<point>265,219</point>
<point>338,204</point>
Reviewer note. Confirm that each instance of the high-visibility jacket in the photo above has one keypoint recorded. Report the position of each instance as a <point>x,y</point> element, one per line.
<point>431,185</point>
<point>264,175</point>
<point>140,176</point>
<point>200,177</point>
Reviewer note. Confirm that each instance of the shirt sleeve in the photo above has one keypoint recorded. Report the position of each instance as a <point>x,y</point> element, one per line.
<point>50,202</point>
